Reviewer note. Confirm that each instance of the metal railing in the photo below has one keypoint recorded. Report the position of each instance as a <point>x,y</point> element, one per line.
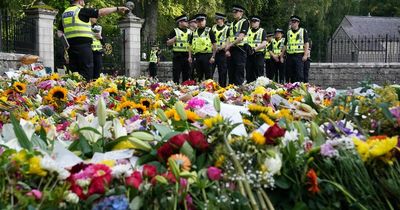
<point>165,51</point>
<point>17,35</point>
<point>364,49</point>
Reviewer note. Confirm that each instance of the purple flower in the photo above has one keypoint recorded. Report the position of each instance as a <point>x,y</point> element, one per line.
<point>396,113</point>
<point>113,202</point>
<point>214,173</point>
<point>46,84</point>
<point>328,150</point>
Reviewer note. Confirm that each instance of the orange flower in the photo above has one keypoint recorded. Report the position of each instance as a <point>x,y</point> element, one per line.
<point>182,161</point>
<point>313,181</point>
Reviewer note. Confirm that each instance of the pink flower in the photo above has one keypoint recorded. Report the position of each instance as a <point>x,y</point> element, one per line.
<point>134,180</point>
<point>195,103</point>
<point>35,193</point>
<point>214,173</point>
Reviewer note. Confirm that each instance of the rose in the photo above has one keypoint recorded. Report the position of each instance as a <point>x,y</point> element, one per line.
<point>178,140</point>
<point>198,140</point>
<point>149,171</point>
<point>214,173</point>
<point>134,180</point>
<point>165,151</point>
<point>36,194</point>
<point>272,133</point>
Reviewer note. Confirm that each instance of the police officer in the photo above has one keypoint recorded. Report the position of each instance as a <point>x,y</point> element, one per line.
<point>275,50</point>
<point>179,39</point>
<point>97,48</point>
<point>154,60</point>
<point>192,27</point>
<point>257,40</point>
<point>193,24</point>
<point>296,48</point>
<point>221,33</point>
<point>267,57</point>
<point>76,26</point>
<point>235,48</point>
<point>203,46</point>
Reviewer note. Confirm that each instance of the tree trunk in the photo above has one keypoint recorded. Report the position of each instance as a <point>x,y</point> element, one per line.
<point>150,24</point>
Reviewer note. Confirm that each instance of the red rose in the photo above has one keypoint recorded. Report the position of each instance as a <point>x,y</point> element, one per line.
<point>77,190</point>
<point>134,180</point>
<point>149,171</point>
<point>189,82</point>
<point>214,173</point>
<point>170,177</point>
<point>267,97</point>
<point>178,140</point>
<point>97,186</point>
<point>165,151</point>
<point>272,133</point>
<point>198,140</point>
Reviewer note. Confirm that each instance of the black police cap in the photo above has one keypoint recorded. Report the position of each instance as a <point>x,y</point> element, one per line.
<point>193,19</point>
<point>295,18</point>
<point>255,18</point>
<point>270,34</point>
<point>200,16</point>
<point>219,16</point>
<point>279,30</point>
<point>181,18</point>
<point>238,8</point>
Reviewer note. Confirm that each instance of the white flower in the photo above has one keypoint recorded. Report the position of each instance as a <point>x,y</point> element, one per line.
<point>274,164</point>
<point>141,82</point>
<point>262,81</point>
<point>119,130</point>
<point>48,164</point>
<point>63,174</point>
<point>122,170</point>
<point>71,197</point>
<point>290,136</point>
<point>83,182</point>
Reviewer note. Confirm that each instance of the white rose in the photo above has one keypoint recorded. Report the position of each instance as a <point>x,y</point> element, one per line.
<point>274,164</point>
<point>71,197</point>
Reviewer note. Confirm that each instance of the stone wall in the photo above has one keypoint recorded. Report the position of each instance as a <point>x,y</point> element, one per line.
<point>9,61</point>
<point>337,75</point>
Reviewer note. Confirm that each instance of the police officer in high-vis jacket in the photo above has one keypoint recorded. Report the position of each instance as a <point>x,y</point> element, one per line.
<point>296,48</point>
<point>275,51</point>
<point>203,46</point>
<point>76,27</point>
<point>97,48</point>
<point>257,40</point>
<point>235,48</point>
<point>221,34</point>
<point>179,39</point>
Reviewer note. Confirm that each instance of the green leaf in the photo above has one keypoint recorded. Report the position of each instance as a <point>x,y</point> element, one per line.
<point>170,135</point>
<point>282,182</point>
<point>111,144</point>
<point>187,150</point>
<point>162,129</point>
<point>386,112</point>
<point>38,142</point>
<point>201,160</point>
<point>92,198</point>
<point>20,134</point>
<point>136,203</point>
<point>89,129</point>
<point>84,144</point>
<point>73,146</point>
<point>300,206</point>
<point>43,134</point>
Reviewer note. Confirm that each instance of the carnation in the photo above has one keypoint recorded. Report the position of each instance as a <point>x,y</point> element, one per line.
<point>122,170</point>
<point>262,81</point>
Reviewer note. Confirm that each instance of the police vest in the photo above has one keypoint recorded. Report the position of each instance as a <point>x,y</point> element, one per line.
<point>255,38</point>
<point>73,26</point>
<point>220,35</point>
<point>153,56</point>
<point>202,43</point>
<point>234,32</point>
<point>295,43</point>
<point>267,55</point>
<point>96,45</point>
<point>182,40</point>
<point>277,46</point>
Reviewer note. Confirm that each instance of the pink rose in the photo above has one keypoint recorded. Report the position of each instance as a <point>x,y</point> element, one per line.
<point>134,180</point>
<point>214,173</point>
<point>35,193</point>
<point>149,171</point>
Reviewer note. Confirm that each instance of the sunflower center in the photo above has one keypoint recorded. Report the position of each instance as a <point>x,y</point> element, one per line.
<point>59,95</point>
<point>146,103</point>
<point>20,88</point>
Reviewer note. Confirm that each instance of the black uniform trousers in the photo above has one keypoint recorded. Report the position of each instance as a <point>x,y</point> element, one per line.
<point>254,66</point>
<point>180,66</point>
<point>203,66</point>
<point>81,60</point>
<point>152,69</point>
<point>307,65</point>
<point>97,64</point>
<point>279,71</point>
<point>237,65</point>
<point>295,67</point>
<point>269,68</point>
<point>220,63</point>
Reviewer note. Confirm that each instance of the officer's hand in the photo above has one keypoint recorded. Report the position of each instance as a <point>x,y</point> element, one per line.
<point>282,60</point>
<point>190,60</point>
<point>123,10</point>
<point>304,58</point>
<point>212,60</point>
<point>228,54</point>
<point>276,58</point>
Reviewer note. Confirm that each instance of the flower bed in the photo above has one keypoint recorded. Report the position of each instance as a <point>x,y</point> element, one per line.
<point>123,143</point>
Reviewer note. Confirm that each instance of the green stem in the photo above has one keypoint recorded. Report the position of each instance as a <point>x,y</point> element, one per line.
<point>240,170</point>
<point>269,203</point>
<point>241,188</point>
<point>261,199</point>
<point>44,190</point>
<point>103,140</point>
<point>345,192</point>
<point>176,195</point>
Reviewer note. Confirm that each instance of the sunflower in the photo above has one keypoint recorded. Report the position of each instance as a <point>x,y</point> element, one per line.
<point>19,87</point>
<point>57,93</point>
<point>112,91</point>
<point>266,119</point>
<point>146,102</point>
<point>54,76</point>
<point>191,116</point>
<point>8,92</point>
<point>258,138</point>
<point>210,122</point>
<point>140,108</point>
<point>182,161</point>
<point>131,105</point>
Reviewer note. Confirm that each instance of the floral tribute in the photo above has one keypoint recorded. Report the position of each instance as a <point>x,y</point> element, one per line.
<point>124,143</point>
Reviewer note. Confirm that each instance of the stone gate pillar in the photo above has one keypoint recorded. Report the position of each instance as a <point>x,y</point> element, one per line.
<point>130,27</point>
<point>44,24</point>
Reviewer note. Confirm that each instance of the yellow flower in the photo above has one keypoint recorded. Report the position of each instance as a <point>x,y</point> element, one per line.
<point>362,148</point>
<point>182,161</point>
<point>191,116</point>
<point>260,90</point>
<point>19,87</point>
<point>54,76</point>
<point>57,94</point>
<point>247,122</point>
<point>284,113</point>
<point>124,145</point>
<point>220,161</point>
<point>210,122</point>
<point>80,99</point>
<point>259,109</point>
<point>131,105</point>
<point>35,168</point>
<point>376,147</point>
<point>146,102</point>
<point>172,114</point>
<point>381,147</point>
<point>111,91</point>
<point>258,138</point>
<point>109,163</point>
<point>19,157</point>
<point>267,119</point>
<point>246,98</point>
